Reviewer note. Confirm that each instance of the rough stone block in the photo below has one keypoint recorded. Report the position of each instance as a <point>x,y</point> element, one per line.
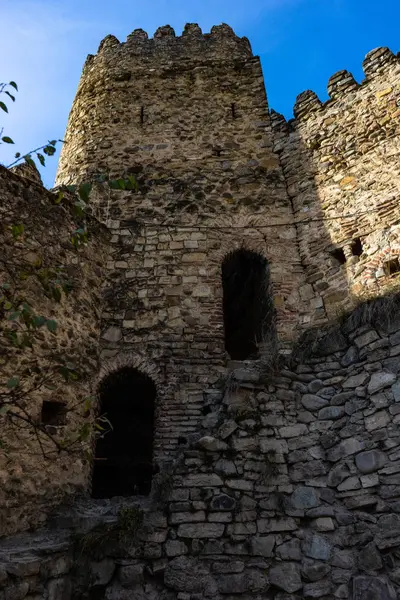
<point>313,403</point>
<point>262,545</point>
<point>318,547</point>
<point>102,571</point>
<point>370,461</point>
<point>201,530</point>
<point>286,576</point>
<point>380,380</point>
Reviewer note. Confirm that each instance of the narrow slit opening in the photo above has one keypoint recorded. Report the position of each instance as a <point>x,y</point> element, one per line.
<point>356,247</point>
<point>391,267</point>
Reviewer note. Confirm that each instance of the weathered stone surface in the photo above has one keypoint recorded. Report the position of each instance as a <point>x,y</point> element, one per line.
<point>369,558</point>
<point>318,547</point>
<point>263,545</point>
<point>380,380</point>
<point>350,357</point>
<point>324,524</point>
<point>331,413</point>
<point>286,577</point>
<point>289,550</point>
<point>355,381</point>
<point>377,420</point>
<point>389,525</point>
<point>372,588</point>
<point>366,338</point>
<point>313,403</point>
<point>317,589</point>
<point>186,575</point>
<point>59,589</point>
<point>102,571</point>
<point>370,461</point>
<point>225,467</point>
<point>293,430</point>
<point>200,530</point>
<point>344,449</point>
<point>211,444</point>
<point>175,548</point>
<point>203,480</point>
<point>227,429</point>
<point>23,567</point>
<point>314,571</point>
<point>129,575</point>
<point>304,498</point>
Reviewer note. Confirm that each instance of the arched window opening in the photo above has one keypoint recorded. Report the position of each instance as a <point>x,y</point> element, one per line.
<point>248,308</point>
<point>124,455</point>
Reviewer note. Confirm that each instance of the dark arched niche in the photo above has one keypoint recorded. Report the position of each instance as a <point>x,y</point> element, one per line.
<point>248,310</point>
<point>124,455</point>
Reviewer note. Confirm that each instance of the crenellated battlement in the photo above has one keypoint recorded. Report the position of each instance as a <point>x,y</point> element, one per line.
<point>377,63</point>
<point>221,43</point>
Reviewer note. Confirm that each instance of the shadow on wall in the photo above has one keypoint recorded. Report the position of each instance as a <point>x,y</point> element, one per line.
<point>340,161</point>
<point>247,304</point>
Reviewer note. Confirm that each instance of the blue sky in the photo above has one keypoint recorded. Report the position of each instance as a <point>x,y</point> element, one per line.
<point>43,45</point>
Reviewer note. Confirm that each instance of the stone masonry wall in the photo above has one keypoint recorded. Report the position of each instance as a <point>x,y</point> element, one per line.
<point>33,474</point>
<point>289,490</point>
<point>341,164</point>
<point>189,118</point>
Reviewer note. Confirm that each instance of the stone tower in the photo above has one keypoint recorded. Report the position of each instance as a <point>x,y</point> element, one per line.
<point>188,116</point>
<point>224,472</point>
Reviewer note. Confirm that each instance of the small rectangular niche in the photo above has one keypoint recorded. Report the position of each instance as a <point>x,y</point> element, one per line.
<point>392,266</point>
<point>356,247</point>
<point>339,255</point>
<point>53,413</point>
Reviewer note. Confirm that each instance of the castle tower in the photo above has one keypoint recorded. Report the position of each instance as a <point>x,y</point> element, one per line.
<point>204,263</point>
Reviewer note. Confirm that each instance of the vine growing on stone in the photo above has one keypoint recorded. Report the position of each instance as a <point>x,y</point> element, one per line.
<point>25,331</point>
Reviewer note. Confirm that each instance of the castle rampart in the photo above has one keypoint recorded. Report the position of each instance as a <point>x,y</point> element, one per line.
<point>254,447</point>
<point>340,161</point>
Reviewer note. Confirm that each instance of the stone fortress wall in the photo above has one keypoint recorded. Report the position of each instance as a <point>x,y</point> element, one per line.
<point>285,474</point>
<point>31,482</point>
<point>340,161</point>
<point>188,117</point>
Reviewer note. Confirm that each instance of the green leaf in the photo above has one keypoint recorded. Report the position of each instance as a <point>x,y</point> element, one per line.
<point>7,305</point>
<point>51,325</point>
<point>117,184</point>
<point>57,294</point>
<point>41,159</point>
<point>131,183</point>
<point>17,230</point>
<point>4,409</point>
<point>28,159</point>
<point>84,191</point>
<point>53,142</point>
<point>12,336</point>
<point>38,322</point>
<point>4,107</point>
<point>14,315</point>
<point>13,382</point>
<point>17,154</point>
<point>10,96</point>
<point>14,85</point>
<point>59,197</point>
<point>49,150</point>
<point>7,139</point>
<point>71,188</point>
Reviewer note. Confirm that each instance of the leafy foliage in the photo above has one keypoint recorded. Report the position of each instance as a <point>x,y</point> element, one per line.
<point>116,536</point>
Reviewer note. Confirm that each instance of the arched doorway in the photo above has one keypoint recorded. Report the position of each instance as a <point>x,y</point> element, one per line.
<point>248,308</point>
<point>123,456</point>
